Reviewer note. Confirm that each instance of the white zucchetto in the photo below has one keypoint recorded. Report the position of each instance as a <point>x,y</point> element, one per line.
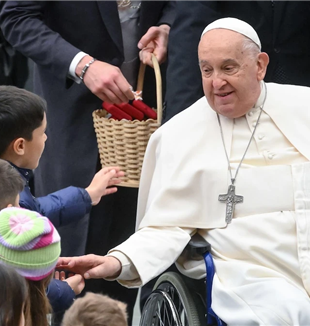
<point>235,25</point>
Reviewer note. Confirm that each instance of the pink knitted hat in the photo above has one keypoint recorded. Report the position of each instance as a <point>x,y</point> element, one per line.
<point>28,242</point>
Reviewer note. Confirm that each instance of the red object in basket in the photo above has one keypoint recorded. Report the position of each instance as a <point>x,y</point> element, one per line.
<point>117,113</point>
<point>132,111</point>
<point>145,109</point>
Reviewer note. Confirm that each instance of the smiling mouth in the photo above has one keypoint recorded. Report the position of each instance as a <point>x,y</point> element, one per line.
<point>223,94</point>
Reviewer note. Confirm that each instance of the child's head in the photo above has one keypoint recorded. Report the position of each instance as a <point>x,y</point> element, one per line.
<point>11,184</point>
<point>31,245</point>
<point>22,126</point>
<point>13,297</point>
<point>96,310</point>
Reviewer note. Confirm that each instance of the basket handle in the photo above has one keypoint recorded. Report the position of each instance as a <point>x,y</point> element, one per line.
<point>159,98</point>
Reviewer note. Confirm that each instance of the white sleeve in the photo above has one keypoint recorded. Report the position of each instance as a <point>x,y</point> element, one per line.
<point>151,250</point>
<point>129,271</point>
<point>74,63</point>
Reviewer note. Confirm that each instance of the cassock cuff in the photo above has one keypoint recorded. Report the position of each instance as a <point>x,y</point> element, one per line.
<point>129,271</point>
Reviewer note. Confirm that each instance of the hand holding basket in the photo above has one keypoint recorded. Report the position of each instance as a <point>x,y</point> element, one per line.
<point>123,142</point>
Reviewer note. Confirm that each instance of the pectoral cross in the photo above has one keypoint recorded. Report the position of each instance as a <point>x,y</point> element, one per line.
<point>231,200</point>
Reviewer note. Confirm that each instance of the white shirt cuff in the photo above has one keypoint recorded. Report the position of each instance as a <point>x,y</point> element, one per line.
<point>74,63</point>
<point>129,271</point>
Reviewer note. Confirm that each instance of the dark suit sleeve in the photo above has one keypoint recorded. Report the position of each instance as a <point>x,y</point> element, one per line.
<point>168,13</point>
<point>22,23</point>
<point>184,84</point>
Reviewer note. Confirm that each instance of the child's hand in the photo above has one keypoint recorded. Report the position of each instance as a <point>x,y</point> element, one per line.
<point>106,177</point>
<point>75,281</point>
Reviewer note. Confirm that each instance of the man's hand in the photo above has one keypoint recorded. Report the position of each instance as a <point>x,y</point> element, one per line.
<point>154,41</point>
<point>91,266</point>
<point>105,81</point>
<point>106,177</point>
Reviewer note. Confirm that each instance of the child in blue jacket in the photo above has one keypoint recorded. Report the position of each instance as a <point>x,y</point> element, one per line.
<point>60,294</point>
<point>22,139</point>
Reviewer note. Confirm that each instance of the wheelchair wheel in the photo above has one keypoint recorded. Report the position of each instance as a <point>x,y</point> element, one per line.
<point>172,304</point>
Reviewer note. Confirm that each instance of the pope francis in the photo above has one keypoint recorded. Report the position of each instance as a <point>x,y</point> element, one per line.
<point>235,168</point>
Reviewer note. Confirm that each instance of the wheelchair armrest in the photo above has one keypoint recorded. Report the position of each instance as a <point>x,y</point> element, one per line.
<point>197,246</point>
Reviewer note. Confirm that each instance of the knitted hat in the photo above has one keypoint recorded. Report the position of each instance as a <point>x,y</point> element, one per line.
<point>235,25</point>
<point>28,242</point>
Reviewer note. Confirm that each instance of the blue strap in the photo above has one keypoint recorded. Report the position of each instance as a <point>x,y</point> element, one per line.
<point>212,318</point>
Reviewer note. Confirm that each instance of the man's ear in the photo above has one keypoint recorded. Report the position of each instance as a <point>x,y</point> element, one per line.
<point>19,146</point>
<point>262,63</point>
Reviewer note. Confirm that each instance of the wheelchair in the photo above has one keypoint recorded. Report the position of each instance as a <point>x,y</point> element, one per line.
<point>180,301</point>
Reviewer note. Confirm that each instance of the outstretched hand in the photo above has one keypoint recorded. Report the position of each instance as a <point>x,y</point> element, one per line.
<point>155,41</point>
<point>91,266</point>
<point>106,177</point>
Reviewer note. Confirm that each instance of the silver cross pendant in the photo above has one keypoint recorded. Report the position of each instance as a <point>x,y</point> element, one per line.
<point>231,199</point>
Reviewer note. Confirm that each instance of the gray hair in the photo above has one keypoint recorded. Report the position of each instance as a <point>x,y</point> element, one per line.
<point>251,47</point>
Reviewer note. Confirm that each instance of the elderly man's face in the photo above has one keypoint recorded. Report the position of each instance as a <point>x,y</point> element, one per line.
<point>230,75</point>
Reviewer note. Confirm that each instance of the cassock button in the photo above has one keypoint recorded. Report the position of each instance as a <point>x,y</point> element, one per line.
<point>254,124</point>
<point>270,156</point>
<point>260,136</point>
<point>250,113</point>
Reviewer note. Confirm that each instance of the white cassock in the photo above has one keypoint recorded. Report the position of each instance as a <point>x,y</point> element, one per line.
<point>262,258</point>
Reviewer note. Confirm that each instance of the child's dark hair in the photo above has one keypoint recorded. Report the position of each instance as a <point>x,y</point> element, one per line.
<point>11,184</point>
<point>13,296</point>
<point>21,112</point>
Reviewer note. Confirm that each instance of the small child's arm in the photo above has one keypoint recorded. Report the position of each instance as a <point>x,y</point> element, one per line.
<point>106,177</point>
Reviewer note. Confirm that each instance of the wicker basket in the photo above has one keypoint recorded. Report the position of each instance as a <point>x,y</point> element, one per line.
<point>123,143</point>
